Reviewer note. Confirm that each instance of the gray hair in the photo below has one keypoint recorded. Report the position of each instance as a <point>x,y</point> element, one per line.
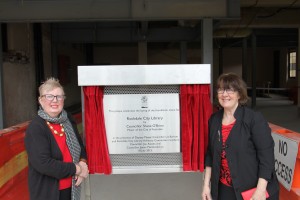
<point>50,84</point>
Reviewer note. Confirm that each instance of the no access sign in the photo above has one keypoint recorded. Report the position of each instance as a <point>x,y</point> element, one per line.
<point>285,151</point>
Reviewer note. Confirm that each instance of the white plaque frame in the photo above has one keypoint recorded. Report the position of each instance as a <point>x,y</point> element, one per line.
<point>144,74</point>
<point>130,75</point>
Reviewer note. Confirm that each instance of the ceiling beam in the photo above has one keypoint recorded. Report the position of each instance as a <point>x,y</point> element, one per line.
<point>265,18</point>
<point>119,32</point>
<point>92,10</point>
<point>270,3</point>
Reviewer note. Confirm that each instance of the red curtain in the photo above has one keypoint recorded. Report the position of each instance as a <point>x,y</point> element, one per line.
<point>96,142</point>
<point>195,110</point>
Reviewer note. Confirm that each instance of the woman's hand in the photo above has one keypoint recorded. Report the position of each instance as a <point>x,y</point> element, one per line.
<point>78,169</point>
<point>260,192</point>
<point>82,172</point>
<point>79,180</point>
<point>259,195</point>
<point>84,169</point>
<point>206,193</point>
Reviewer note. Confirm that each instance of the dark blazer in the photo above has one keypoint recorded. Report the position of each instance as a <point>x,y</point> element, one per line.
<point>45,160</point>
<point>249,151</point>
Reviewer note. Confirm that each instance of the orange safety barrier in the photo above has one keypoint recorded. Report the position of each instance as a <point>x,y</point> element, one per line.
<point>13,161</point>
<point>14,166</point>
<point>294,193</point>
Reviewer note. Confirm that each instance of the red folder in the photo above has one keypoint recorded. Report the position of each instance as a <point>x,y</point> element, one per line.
<point>248,194</point>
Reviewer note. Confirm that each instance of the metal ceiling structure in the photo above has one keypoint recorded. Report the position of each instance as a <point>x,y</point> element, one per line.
<point>116,10</point>
<point>275,22</point>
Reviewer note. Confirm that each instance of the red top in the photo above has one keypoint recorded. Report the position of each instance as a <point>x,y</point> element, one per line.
<point>225,176</point>
<point>60,138</point>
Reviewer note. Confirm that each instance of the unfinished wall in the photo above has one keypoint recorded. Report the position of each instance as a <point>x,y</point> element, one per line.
<point>19,84</point>
<point>20,102</point>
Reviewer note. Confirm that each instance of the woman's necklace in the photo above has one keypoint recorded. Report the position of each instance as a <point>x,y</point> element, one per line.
<point>55,131</point>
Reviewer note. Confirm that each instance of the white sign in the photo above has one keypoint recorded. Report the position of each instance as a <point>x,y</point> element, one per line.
<point>168,74</point>
<point>142,123</point>
<point>285,159</point>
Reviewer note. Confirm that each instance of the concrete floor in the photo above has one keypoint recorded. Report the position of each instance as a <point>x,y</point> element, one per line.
<point>279,110</point>
<point>178,186</point>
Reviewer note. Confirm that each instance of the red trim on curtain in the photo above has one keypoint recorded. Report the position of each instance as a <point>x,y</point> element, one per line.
<point>195,110</point>
<point>96,142</point>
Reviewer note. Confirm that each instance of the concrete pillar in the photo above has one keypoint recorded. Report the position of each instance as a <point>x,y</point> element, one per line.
<point>298,71</point>
<point>207,41</point>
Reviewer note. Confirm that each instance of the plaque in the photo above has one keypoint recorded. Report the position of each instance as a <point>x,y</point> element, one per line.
<point>142,123</point>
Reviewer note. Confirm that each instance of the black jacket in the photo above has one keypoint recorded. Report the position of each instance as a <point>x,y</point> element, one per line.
<point>45,160</point>
<point>249,151</point>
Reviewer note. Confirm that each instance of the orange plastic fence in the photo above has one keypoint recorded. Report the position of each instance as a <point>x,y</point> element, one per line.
<point>13,163</point>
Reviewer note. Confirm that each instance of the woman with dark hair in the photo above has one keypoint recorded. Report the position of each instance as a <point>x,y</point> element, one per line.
<point>240,153</point>
<point>56,155</point>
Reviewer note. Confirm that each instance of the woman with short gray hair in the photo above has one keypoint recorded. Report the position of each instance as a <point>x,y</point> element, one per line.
<point>56,154</point>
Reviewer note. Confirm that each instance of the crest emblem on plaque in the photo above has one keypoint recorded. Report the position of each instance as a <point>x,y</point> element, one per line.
<point>144,102</point>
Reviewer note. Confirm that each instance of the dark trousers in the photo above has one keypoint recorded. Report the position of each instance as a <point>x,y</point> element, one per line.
<point>274,196</point>
<point>226,192</point>
<point>65,194</point>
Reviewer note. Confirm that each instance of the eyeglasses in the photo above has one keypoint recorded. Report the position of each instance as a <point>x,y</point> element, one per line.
<point>51,97</point>
<point>228,91</point>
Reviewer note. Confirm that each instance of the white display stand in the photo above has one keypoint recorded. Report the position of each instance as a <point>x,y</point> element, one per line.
<point>139,141</point>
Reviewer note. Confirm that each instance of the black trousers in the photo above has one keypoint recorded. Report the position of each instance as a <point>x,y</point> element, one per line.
<point>65,194</point>
<point>226,192</point>
<point>274,196</point>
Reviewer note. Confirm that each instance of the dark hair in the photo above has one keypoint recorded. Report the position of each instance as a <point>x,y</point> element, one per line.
<point>231,80</point>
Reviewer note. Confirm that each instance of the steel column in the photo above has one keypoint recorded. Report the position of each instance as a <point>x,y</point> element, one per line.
<point>244,60</point>
<point>254,64</point>
<point>298,71</point>
<point>1,82</point>
<point>183,52</point>
<point>207,47</point>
